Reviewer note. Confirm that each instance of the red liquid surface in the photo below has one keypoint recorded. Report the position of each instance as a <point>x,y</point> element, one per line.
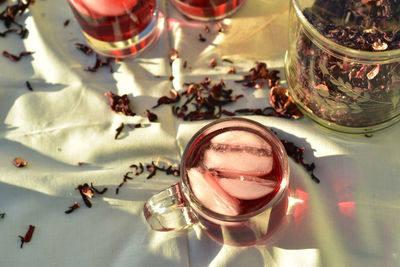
<point>206,8</point>
<point>114,26</point>
<point>244,234</point>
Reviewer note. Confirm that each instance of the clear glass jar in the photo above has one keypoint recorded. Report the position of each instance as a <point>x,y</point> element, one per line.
<point>343,62</point>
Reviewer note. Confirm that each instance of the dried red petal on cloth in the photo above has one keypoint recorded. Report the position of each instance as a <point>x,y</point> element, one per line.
<point>119,103</point>
<point>283,103</point>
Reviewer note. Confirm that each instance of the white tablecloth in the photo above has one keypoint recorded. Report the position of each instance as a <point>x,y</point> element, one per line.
<point>350,219</point>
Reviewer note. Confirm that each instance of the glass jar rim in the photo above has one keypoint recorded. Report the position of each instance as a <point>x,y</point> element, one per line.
<point>241,217</point>
<point>341,51</point>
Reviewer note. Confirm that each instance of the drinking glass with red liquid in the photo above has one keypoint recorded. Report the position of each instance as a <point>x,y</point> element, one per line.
<point>234,185</point>
<point>207,9</point>
<point>117,28</point>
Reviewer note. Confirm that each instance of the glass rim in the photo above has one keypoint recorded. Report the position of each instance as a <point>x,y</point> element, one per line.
<point>276,144</point>
<point>388,56</point>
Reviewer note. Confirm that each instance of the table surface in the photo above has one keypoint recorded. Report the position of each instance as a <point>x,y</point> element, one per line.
<point>351,218</point>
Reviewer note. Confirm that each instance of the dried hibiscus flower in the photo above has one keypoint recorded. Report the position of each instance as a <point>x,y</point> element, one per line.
<point>152,117</point>
<point>119,103</point>
<point>19,162</point>
<point>296,153</point>
<point>84,48</point>
<point>212,63</point>
<point>28,236</point>
<point>283,103</point>
<point>86,193</point>
<point>119,130</point>
<point>9,14</point>
<point>16,58</point>
<point>259,75</point>
<point>204,101</point>
<point>125,179</point>
<point>101,63</point>
<point>73,207</point>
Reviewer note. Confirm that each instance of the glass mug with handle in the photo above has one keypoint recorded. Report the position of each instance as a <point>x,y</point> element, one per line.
<point>234,184</point>
<point>117,28</point>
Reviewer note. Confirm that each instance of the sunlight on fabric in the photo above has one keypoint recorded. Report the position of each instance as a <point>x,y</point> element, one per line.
<point>128,206</point>
<point>169,244</point>
<point>297,257</point>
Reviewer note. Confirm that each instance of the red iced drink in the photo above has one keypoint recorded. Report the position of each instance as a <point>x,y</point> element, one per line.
<point>207,9</point>
<point>238,172</point>
<point>117,27</point>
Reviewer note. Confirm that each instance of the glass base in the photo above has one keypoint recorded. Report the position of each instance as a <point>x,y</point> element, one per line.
<point>130,47</point>
<point>328,124</point>
<point>195,12</point>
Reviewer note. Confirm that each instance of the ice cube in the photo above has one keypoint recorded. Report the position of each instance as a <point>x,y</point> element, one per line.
<point>239,151</point>
<point>97,8</point>
<point>210,193</point>
<point>247,187</point>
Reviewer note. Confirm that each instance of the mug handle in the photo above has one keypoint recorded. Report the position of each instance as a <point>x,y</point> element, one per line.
<point>168,210</point>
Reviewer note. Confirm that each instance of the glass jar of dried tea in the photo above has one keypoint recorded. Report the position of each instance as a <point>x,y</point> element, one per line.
<point>343,62</point>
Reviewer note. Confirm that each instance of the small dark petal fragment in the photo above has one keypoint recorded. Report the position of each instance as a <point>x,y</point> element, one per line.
<point>97,191</point>
<point>185,64</point>
<point>66,22</point>
<point>227,113</point>
<point>227,60</point>
<point>173,54</point>
<point>213,63</point>
<point>249,111</point>
<point>141,169</point>
<point>315,178</point>
<point>86,193</point>
<point>119,130</point>
<point>119,103</point>
<point>152,117</point>
<point>152,169</point>
<point>73,207</point>
<point>29,86</point>
<point>28,236</point>
<point>232,70</point>
<point>19,162</point>
<point>201,38</point>
<point>16,58</point>
<point>168,100</point>
<point>134,126</point>
<point>84,48</point>
<point>127,177</point>
<point>136,168</point>
<point>124,180</point>
<point>169,169</point>
<point>101,63</point>
<point>220,28</point>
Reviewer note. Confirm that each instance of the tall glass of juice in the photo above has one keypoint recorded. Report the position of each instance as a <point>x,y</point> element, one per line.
<point>117,28</point>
